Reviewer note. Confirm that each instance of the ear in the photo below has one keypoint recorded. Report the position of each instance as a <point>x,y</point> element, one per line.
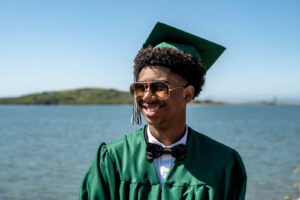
<point>189,93</point>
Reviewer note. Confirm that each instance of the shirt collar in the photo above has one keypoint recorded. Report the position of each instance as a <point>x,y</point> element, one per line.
<point>153,140</point>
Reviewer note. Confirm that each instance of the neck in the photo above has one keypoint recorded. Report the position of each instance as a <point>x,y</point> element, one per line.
<point>168,135</point>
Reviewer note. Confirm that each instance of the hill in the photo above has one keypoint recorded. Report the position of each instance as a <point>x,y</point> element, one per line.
<point>85,96</point>
<point>73,97</point>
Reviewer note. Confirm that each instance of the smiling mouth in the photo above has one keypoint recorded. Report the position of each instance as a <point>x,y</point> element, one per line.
<point>151,109</point>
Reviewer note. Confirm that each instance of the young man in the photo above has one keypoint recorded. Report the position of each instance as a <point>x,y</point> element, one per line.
<point>167,159</point>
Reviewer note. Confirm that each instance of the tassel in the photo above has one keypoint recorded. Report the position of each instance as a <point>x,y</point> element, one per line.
<point>136,114</point>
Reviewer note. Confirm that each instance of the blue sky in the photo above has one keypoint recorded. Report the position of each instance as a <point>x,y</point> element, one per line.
<point>50,45</point>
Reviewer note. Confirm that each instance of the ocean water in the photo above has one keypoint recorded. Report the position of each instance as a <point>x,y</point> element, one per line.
<point>46,150</point>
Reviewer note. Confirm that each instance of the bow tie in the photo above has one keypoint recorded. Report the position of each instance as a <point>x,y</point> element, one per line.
<point>154,151</point>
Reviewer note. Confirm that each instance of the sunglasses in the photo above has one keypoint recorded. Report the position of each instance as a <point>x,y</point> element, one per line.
<point>159,89</point>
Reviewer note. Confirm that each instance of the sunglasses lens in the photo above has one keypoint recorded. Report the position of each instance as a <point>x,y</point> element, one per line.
<point>132,89</point>
<point>137,89</point>
<point>159,89</point>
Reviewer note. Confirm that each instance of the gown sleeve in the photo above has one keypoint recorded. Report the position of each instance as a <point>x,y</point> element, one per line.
<point>235,179</point>
<point>99,181</point>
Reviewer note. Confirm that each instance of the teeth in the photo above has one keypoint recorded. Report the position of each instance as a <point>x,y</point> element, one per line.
<point>153,109</point>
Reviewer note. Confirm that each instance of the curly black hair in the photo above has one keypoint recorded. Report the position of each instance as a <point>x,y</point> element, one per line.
<point>183,64</point>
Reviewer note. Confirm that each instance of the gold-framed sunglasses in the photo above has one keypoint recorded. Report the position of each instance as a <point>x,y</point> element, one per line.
<point>159,89</point>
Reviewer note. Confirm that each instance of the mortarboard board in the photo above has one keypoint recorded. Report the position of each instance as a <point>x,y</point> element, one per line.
<point>167,36</point>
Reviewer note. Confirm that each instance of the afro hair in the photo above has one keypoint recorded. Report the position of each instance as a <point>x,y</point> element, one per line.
<point>183,64</point>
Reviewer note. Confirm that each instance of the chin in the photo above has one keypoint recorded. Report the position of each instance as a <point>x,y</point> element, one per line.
<point>152,121</point>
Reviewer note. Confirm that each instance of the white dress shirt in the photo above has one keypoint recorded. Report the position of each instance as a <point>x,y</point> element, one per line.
<point>164,162</point>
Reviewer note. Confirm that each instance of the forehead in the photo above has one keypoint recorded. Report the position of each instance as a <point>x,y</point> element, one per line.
<point>155,73</point>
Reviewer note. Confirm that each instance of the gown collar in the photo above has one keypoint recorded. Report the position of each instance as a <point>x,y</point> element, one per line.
<point>151,139</point>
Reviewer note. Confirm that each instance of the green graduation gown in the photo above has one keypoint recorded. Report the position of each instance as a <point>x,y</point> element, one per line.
<point>120,170</point>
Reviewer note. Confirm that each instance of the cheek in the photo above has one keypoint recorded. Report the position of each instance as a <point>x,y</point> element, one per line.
<point>138,102</point>
<point>177,97</point>
<point>177,103</point>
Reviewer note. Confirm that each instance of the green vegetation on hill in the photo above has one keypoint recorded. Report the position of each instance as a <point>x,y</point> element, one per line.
<point>208,102</point>
<point>79,96</point>
<point>86,96</point>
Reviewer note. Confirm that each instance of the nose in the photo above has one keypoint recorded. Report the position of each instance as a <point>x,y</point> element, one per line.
<point>147,94</point>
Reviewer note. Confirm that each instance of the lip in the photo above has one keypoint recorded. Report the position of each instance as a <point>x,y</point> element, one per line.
<point>151,109</point>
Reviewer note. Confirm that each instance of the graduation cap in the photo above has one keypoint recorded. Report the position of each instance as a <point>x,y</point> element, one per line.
<point>167,36</point>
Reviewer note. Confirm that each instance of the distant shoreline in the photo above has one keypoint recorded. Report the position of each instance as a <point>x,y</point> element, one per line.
<point>100,96</point>
<point>190,104</point>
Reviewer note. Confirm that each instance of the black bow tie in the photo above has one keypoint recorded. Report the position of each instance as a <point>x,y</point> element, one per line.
<point>154,151</point>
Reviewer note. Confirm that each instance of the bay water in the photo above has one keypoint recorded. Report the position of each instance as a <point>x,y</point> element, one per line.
<point>46,150</point>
